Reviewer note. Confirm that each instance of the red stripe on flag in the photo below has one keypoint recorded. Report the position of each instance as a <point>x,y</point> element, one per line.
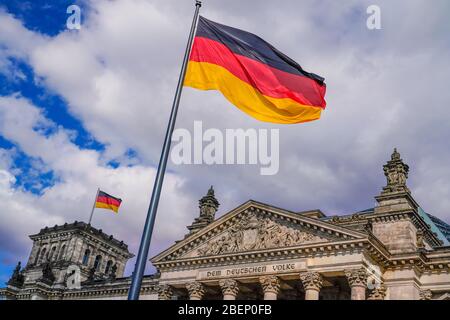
<point>269,81</point>
<point>108,200</point>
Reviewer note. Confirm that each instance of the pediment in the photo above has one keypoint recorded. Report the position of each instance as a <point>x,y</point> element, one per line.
<point>255,227</point>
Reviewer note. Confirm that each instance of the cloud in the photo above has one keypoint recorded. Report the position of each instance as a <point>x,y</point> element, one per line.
<point>80,173</point>
<point>386,89</point>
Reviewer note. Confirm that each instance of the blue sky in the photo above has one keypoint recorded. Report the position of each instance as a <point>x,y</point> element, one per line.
<point>81,109</point>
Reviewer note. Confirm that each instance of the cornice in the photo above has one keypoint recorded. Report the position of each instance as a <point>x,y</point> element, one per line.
<point>303,251</point>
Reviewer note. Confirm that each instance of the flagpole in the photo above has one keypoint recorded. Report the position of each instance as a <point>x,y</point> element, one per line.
<point>93,206</point>
<point>141,259</point>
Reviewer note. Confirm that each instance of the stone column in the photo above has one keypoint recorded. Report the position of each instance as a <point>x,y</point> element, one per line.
<point>271,286</point>
<point>196,290</point>
<point>357,280</point>
<point>312,282</point>
<point>378,293</point>
<point>230,288</point>
<point>165,292</point>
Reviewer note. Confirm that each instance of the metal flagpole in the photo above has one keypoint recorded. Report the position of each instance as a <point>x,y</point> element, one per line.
<point>141,260</point>
<point>93,207</point>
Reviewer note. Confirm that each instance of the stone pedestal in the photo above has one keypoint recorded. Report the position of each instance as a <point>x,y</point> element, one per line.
<point>271,286</point>
<point>196,290</point>
<point>312,283</point>
<point>230,288</point>
<point>357,280</point>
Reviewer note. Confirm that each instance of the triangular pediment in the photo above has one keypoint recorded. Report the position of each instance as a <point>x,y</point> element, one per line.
<point>256,227</point>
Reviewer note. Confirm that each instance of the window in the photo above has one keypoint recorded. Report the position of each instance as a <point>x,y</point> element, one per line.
<point>97,262</point>
<point>52,253</point>
<point>61,252</point>
<point>108,266</point>
<point>42,258</point>
<point>87,253</point>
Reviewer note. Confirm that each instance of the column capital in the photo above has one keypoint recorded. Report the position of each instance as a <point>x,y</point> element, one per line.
<point>270,283</point>
<point>357,277</point>
<point>229,287</point>
<point>311,280</point>
<point>196,290</point>
<point>378,293</point>
<point>425,294</point>
<point>165,292</point>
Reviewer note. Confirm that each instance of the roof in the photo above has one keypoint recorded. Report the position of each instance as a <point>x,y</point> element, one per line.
<point>82,226</point>
<point>441,225</point>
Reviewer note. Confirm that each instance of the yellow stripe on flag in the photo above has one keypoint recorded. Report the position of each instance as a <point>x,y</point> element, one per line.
<point>106,206</point>
<point>208,76</point>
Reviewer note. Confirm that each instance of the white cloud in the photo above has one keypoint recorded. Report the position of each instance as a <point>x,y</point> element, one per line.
<point>386,88</point>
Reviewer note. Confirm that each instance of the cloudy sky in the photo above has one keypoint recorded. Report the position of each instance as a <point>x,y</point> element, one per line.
<point>81,109</point>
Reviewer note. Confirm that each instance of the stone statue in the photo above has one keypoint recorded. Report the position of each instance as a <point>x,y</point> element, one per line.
<point>17,279</point>
<point>208,206</point>
<point>47,273</point>
<point>396,172</point>
<point>91,275</point>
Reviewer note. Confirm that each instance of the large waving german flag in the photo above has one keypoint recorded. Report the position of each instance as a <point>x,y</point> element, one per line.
<point>253,75</point>
<point>107,201</point>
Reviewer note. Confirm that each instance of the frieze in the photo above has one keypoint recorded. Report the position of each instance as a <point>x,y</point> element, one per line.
<point>252,270</point>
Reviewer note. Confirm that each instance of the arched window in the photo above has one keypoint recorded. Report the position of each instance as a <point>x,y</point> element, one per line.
<point>38,254</point>
<point>61,252</point>
<point>52,253</point>
<point>97,262</point>
<point>108,266</point>
<point>42,258</point>
<point>87,253</point>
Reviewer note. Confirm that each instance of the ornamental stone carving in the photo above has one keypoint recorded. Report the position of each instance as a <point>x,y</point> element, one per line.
<point>255,232</point>
<point>311,280</point>
<point>208,206</point>
<point>357,277</point>
<point>425,294</point>
<point>165,292</point>
<point>378,293</point>
<point>229,287</point>
<point>396,172</point>
<point>270,283</point>
<point>196,290</point>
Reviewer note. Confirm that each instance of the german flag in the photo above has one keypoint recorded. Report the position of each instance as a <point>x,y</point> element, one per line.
<point>107,201</point>
<point>253,75</point>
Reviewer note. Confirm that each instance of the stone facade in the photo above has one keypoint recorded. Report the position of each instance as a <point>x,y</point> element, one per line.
<point>257,251</point>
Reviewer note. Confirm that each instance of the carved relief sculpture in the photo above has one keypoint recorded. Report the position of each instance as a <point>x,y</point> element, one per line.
<point>254,233</point>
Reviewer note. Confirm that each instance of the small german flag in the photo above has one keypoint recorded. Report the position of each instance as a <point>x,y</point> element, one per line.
<point>107,201</point>
<point>253,75</point>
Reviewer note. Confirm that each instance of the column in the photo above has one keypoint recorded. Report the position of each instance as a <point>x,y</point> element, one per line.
<point>378,293</point>
<point>230,288</point>
<point>271,286</point>
<point>196,290</point>
<point>312,282</point>
<point>165,292</point>
<point>357,279</point>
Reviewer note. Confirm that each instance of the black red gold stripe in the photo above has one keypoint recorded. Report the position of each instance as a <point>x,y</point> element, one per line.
<point>107,201</point>
<point>253,75</point>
